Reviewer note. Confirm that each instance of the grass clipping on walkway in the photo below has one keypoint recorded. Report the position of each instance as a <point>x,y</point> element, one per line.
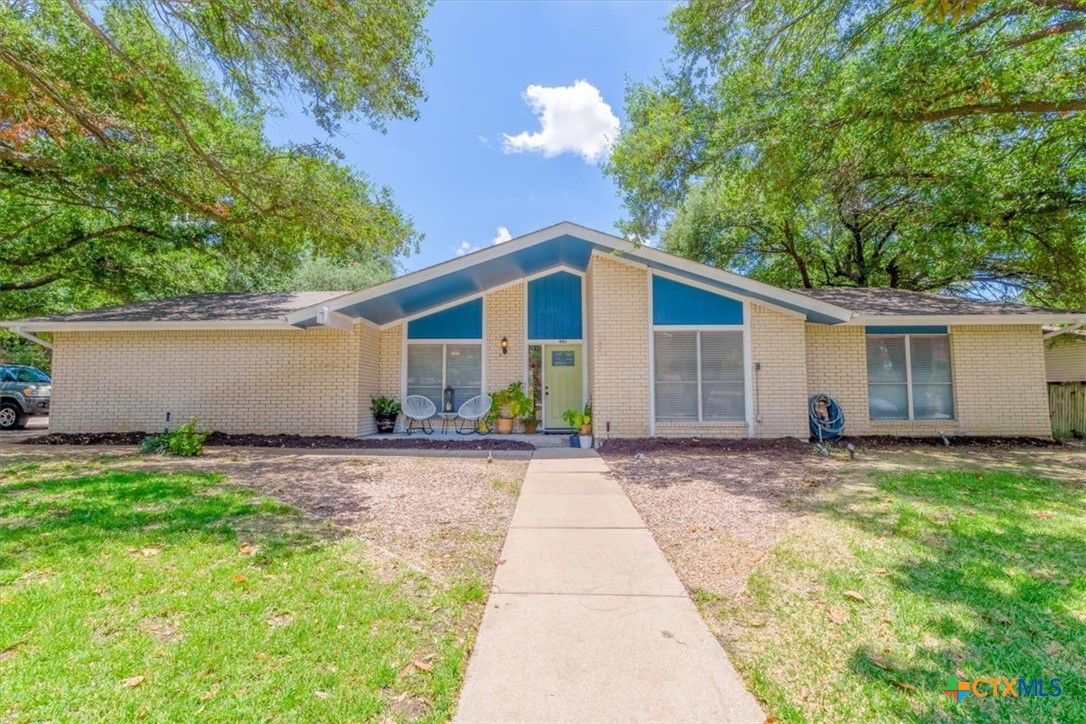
<point>864,612</point>
<point>173,596</point>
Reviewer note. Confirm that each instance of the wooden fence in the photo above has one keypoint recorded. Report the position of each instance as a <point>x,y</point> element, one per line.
<point>1067,405</point>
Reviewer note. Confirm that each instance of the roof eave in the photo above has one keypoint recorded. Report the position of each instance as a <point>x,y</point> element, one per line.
<point>45,325</point>
<point>1031,318</point>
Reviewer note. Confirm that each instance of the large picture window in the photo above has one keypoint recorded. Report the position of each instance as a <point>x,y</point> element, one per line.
<point>699,375</point>
<point>431,367</point>
<point>909,377</point>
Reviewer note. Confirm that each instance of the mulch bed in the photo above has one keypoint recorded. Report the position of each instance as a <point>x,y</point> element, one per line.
<point>791,446</point>
<point>222,439</point>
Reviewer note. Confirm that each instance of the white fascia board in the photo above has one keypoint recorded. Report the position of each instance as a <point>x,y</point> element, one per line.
<point>993,320</point>
<point>335,320</point>
<point>90,326</point>
<point>1074,327</point>
<point>495,251</point>
<point>784,296</point>
<point>27,335</point>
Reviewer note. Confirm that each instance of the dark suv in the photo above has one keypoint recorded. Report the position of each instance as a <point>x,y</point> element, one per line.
<point>24,391</point>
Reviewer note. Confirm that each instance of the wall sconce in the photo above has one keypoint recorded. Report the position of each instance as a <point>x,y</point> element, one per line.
<point>505,345</point>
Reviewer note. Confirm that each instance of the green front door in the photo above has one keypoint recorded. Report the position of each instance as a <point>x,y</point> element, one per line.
<point>563,383</point>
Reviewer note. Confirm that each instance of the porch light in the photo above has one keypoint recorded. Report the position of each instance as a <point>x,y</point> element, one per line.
<point>505,346</point>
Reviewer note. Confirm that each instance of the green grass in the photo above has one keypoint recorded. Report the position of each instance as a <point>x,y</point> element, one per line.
<point>228,605</point>
<point>961,573</point>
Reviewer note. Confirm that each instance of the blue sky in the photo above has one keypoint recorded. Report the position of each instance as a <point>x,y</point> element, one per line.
<point>454,171</point>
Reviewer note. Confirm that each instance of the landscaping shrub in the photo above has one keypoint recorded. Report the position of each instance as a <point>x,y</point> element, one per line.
<point>186,441</point>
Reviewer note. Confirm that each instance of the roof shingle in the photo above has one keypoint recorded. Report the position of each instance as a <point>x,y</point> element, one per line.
<point>885,302</point>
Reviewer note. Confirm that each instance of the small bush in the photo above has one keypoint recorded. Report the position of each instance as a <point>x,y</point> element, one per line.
<point>186,441</point>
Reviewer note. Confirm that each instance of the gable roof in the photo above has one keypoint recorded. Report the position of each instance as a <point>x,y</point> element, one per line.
<point>562,246</point>
<point>885,302</point>
<point>260,308</point>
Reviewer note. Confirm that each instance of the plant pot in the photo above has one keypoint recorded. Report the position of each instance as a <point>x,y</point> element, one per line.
<point>574,440</point>
<point>586,429</point>
<point>586,441</point>
<point>530,426</point>
<point>505,425</point>
<point>386,423</point>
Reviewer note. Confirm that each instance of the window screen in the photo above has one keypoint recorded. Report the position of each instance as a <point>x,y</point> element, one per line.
<point>904,369</point>
<point>722,388</point>
<point>676,360</point>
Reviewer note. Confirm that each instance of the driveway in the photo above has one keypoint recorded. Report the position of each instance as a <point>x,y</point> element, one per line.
<point>34,426</point>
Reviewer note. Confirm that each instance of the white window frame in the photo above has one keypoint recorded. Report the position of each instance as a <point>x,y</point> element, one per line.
<point>408,343</point>
<point>697,352</point>
<point>909,377</point>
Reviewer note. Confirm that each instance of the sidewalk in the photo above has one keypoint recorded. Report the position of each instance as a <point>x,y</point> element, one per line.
<point>587,621</point>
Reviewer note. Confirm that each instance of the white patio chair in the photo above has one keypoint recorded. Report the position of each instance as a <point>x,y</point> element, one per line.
<point>418,410</point>
<point>471,414</point>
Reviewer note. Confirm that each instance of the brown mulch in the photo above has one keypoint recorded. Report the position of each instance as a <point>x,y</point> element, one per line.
<point>789,445</point>
<point>222,439</point>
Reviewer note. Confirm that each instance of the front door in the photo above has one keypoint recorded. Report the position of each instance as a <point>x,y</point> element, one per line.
<point>563,384</point>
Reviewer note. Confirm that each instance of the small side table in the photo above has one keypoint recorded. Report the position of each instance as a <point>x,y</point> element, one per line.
<point>447,419</point>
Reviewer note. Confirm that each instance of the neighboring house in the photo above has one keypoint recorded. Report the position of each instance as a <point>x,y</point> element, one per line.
<point>660,345</point>
<point>1065,370</point>
<point>1065,356</point>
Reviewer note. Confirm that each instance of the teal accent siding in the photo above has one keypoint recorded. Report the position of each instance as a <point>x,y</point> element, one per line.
<point>464,321</point>
<point>906,329</point>
<point>677,303</point>
<point>554,307</point>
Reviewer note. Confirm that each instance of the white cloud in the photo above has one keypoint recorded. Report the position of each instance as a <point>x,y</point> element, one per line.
<point>572,119</point>
<point>465,248</point>
<point>502,235</point>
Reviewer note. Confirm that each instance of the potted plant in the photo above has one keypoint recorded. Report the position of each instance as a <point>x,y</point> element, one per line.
<point>586,420</point>
<point>507,405</point>
<point>582,422</point>
<point>385,411</point>
<point>530,422</point>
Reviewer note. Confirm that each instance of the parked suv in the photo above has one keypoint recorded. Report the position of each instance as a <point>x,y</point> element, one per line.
<point>24,391</point>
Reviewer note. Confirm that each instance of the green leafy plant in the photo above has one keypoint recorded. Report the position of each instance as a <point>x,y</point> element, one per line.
<point>384,405</point>
<point>510,402</point>
<point>186,441</point>
<point>574,418</point>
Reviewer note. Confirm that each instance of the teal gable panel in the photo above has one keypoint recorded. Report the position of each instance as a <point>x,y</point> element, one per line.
<point>464,321</point>
<point>554,307</point>
<point>677,303</point>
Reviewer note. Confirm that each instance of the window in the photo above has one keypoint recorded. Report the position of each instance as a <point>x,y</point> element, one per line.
<point>909,377</point>
<point>433,367</point>
<point>699,375</point>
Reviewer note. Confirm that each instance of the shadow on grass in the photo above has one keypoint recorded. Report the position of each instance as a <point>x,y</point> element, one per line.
<point>1001,558</point>
<point>90,510</point>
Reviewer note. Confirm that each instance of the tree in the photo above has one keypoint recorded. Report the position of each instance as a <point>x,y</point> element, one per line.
<point>133,161</point>
<point>853,143</point>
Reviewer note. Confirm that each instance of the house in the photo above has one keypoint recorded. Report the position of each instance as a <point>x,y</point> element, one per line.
<point>660,345</point>
<point>1065,356</point>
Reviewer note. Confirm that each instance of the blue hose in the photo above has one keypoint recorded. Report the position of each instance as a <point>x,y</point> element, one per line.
<point>826,418</point>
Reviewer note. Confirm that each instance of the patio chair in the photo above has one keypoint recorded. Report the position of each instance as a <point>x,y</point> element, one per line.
<point>471,414</point>
<point>418,410</point>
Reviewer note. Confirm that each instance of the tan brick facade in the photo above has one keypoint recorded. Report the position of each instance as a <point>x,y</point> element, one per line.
<point>504,317</point>
<point>998,373</point>
<point>618,357</point>
<point>320,381</point>
<point>289,381</point>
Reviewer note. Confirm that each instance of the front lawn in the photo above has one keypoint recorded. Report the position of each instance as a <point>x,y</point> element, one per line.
<point>863,611</point>
<point>171,595</point>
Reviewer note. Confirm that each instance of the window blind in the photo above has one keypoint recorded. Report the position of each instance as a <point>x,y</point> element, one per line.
<point>722,384</point>
<point>699,375</point>
<point>676,361</point>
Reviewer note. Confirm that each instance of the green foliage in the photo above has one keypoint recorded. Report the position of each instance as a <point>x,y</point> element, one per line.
<point>186,441</point>
<point>18,351</point>
<point>384,405</point>
<point>184,595</point>
<point>323,273</point>
<point>960,572</point>
<point>133,161</point>
<point>858,144</point>
<point>510,402</point>
<point>578,418</point>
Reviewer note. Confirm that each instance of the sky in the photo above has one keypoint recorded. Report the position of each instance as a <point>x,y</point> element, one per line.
<point>524,100</point>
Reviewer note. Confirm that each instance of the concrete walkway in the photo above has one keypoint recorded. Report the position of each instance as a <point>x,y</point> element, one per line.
<point>587,621</point>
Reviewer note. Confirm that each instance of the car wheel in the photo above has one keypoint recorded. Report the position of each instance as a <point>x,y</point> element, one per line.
<point>11,417</point>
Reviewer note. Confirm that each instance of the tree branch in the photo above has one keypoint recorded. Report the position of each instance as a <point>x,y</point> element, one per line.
<point>77,241</point>
<point>1069,26</point>
<point>30,284</point>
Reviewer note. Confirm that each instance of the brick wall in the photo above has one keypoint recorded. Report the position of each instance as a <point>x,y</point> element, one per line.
<point>999,381</point>
<point>777,343</point>
<point>369,375</point>
<point>289,381</point>
<point>619,348</point>
<point>504,318</point>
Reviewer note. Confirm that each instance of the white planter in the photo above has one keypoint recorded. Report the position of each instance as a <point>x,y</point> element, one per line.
<point>586,441</point>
